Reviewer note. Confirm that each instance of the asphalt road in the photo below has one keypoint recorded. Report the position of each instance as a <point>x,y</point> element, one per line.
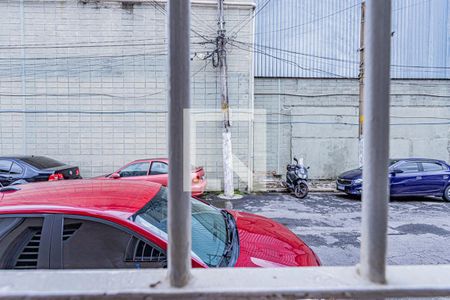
<point>419,228</point>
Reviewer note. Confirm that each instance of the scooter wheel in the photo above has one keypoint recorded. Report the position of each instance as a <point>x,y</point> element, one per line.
<point>301,190</point>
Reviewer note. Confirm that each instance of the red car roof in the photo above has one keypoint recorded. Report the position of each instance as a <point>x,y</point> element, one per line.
<point>106,197</point>
<point>163,159</point>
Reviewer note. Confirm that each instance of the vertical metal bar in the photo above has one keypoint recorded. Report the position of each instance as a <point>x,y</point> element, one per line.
<point>376,141</point>
<point>24,79</point>
<point>179,207</point>
<point>361,83</point>
<point>279,128</point>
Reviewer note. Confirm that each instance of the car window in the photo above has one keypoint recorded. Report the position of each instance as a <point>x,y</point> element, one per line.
<point>209,228</point>
<point>42,162</point>
<point>16,169</point>
<point>20,241</point>
<point>431,167</point>
<point>137,169</point>
<point>409,167</point>
<point>159,168</point>
<point>95,245</point>
<point>5,165</point>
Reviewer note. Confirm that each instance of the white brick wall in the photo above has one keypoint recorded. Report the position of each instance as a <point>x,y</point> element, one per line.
<point>103,104</point>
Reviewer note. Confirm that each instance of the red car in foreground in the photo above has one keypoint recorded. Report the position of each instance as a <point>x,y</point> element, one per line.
<point>156,170</point>
<point>98,224</point>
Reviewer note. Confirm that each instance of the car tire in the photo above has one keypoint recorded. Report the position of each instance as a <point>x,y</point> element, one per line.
<point>446,195</point>
<point>301,190</point>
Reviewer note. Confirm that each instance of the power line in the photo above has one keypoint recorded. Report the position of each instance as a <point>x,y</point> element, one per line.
<point>162,51</point>
<point>164,12</point>
<point>116,62</point>
<point>296,52</point>
<point>78,95</point>
<point>352,95</point>
<point>201,69</point>
<point>293,63</point>
<point>352,124</point>
<point>330,15</point>
<point>79,46</point>
<point>420,67</point>
<point>99,44</point>
<point>102,66</point>
<point>251,18</point>
<point>309,22</point>
<point>83,57</point>
<point>411,5</point>
<point>345,115</point>
<point>94,42</point>
<point>335,59</point>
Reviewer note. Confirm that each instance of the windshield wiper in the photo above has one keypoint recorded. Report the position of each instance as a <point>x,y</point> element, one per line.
<point>230,242</point>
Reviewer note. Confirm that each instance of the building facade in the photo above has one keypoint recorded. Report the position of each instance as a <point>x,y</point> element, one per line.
<point>307,68</point>
<point>85,82</point>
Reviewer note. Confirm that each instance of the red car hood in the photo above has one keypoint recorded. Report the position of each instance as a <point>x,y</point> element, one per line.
<point>265,243</point>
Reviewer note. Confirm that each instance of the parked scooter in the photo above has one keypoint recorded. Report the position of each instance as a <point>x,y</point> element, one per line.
<point>297,179</point>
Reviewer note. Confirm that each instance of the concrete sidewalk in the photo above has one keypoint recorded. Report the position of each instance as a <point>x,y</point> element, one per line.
<point>315,186</point>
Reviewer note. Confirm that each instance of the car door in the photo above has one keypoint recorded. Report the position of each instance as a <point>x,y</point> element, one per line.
<point>5,177</point>
<point>135,171</point>
<point>434,178</point>
<point>16,172</point>
<point>408,181</point>
<point>25,242</point>
<point>90,243</point>
<point>159,172</point>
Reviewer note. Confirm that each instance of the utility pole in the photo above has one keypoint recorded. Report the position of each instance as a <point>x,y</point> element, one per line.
<point>226,135</point>
<point>361,83</point>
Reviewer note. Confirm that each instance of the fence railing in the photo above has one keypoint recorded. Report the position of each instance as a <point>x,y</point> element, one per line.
<point>369,280</point>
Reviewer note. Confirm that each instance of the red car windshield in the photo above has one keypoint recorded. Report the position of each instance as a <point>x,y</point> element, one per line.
<point>209,227</point>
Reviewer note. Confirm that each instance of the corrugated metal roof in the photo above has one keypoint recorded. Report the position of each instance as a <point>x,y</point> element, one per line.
<point>320,38</point>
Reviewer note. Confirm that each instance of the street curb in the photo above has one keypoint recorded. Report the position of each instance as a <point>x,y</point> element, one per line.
<point>324,190</point>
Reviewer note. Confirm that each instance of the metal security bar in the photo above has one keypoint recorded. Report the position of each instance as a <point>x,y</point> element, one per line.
<point>374,279</point>
<point>179,208</point>
<point>375,195</point>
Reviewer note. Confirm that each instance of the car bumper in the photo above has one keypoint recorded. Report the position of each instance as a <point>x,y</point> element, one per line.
<point>199,188</point>
<point>349,189</point>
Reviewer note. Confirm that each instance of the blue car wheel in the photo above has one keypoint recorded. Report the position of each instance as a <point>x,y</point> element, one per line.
<point>447,194</point>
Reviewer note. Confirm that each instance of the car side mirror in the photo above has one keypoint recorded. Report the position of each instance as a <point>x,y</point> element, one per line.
<point>396,171</point>
<point>115,175</point>
<point>308,168</point>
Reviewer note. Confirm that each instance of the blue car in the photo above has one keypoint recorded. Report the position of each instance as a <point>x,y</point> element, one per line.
<point>408,177</point>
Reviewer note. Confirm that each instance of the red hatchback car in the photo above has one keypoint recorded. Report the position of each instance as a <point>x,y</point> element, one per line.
<point>94,224</point>
<point>156,170</point>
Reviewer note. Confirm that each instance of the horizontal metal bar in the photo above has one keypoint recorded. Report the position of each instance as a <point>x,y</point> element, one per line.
<point>322,282</point>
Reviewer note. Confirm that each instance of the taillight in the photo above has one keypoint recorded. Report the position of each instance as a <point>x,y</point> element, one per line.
<point>55,177</point>
<point>77,172</point>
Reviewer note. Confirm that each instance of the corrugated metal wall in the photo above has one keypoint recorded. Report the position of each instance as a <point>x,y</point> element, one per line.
<point>320,38</point>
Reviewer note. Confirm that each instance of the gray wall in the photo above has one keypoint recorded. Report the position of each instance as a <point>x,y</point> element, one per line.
<point>85,82</point>
<point>317,119</point>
